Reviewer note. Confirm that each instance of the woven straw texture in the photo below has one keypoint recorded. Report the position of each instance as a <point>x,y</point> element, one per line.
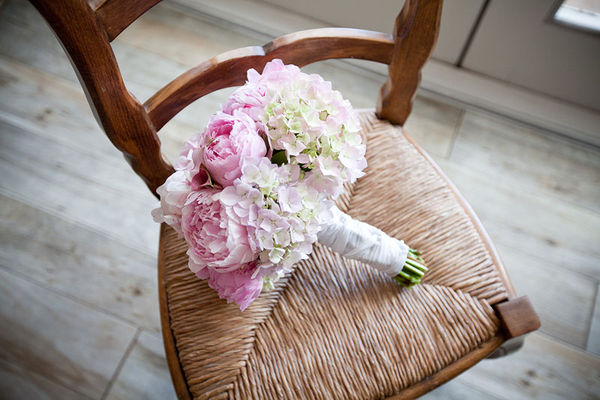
<point>336,328</point>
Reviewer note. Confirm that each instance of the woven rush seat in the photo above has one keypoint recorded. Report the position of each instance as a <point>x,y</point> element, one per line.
<point>335,328</point>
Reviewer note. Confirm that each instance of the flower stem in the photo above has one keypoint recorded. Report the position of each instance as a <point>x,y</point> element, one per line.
<point>413,270</point>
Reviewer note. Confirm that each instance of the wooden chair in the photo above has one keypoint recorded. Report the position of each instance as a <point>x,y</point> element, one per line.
<point>333,328</point>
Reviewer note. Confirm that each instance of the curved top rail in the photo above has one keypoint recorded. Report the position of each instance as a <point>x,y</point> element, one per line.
<point>229,69</point>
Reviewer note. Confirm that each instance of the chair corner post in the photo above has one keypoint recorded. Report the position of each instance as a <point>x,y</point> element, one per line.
<point>415,35</point>
<point>518,318</point>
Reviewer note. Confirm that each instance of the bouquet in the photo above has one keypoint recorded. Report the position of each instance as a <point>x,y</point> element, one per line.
<point>254,191</point>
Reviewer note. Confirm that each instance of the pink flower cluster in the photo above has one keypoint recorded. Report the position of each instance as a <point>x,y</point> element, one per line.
<point>251,191</point>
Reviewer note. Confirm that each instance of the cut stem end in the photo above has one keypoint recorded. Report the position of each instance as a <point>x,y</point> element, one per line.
<point>413,270</point>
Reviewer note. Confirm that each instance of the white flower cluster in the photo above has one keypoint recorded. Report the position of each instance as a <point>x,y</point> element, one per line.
<point>309,124</point>
<point>281,212</point>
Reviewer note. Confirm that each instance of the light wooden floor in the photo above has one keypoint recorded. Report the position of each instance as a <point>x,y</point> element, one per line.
<point>78,297</point>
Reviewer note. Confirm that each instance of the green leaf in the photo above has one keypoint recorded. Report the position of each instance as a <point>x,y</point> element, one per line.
<point>279,157</point>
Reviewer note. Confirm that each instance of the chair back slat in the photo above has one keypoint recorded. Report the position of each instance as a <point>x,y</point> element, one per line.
<point>122,117</point>
<point>415,34</point>
<point>116,15</point>
<point>85,30</point>
<point>229,69</point>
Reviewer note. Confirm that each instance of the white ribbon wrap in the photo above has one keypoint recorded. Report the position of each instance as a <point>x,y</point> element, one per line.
<point>363,242</point>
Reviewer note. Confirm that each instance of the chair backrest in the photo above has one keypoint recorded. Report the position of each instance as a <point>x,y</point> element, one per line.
<point>85,30</point>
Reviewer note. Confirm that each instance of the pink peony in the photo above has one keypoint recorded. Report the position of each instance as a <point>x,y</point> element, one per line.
<point>190,162</point>
<point>215,240</point>
<point>226,142</point>
<point>235,286</point>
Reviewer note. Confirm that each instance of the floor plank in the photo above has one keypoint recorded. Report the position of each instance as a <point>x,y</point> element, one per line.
<point>76,186</point>
<point>563,299</point>
<point>145,374</point>
<point>542,369</point>
<point>529,160</point>
<point>184,38</point>
<point>57,338</point>
<point>21,383</point>
<point>553,231</point>
<point>433,125</point>
<point>457,390</point>
<point>25,36</point>
<point>37,59</point>
<point>56,108</point>
<point>81,263</point>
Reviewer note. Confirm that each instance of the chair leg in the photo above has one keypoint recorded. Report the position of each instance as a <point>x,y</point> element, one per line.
<point>518,319</point>
<point>508,347</point>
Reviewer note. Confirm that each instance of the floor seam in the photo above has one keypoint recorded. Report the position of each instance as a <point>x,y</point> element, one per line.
<point>72,298</point>
<point>591,319</point>
<point>122,361</point>
<point>455,132</point>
